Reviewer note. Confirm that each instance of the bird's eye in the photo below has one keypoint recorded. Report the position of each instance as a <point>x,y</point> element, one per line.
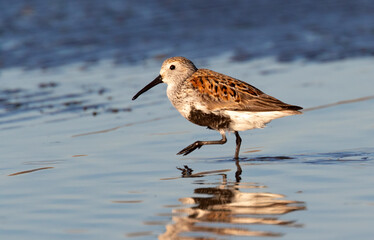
<point>172,67</point>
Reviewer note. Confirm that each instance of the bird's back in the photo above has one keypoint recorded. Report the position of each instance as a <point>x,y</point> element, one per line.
<point>221,92</point>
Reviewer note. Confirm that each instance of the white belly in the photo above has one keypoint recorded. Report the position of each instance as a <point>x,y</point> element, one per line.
<point>241,121</point>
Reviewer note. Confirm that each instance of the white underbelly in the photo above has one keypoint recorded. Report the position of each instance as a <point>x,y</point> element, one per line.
<point>241,120</point>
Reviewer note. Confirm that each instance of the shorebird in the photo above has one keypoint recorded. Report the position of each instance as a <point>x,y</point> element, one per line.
<point>217,101</point>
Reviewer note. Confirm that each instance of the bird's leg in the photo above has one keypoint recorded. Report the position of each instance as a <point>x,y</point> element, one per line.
<point>199,144</point>
<point>238,143</point>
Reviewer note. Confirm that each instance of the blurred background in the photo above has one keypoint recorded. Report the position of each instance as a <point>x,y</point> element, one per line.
<point>43,34</point>
<point>80,160</point>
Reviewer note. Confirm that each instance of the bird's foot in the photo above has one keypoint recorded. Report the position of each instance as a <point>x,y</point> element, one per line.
<point>191,148</point>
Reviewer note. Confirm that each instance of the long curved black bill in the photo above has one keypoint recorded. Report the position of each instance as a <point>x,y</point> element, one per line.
<point>155,82</point>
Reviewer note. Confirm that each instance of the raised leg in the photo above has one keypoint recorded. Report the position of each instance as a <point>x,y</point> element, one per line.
<point>238,143</point>
<point>199,144</point>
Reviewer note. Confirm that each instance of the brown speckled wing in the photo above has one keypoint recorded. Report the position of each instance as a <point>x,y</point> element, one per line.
<point>223,92</point>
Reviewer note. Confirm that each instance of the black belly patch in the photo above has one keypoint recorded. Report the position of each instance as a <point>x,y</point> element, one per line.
<point>209,120</point>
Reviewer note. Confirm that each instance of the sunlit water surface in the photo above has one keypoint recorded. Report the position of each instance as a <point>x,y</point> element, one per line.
<point>80,160</point>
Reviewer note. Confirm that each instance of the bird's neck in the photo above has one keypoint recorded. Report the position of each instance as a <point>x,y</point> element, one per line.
<point>179,98</point>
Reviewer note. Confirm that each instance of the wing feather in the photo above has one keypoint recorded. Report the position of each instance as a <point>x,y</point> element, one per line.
<point>226,93</point>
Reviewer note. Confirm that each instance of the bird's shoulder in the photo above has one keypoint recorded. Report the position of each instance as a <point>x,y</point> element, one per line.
<point>220,86</point>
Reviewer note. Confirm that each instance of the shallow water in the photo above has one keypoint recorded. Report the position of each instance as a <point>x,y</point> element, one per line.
<point>80,160</point>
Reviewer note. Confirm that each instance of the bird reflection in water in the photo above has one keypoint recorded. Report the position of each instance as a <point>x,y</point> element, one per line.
<point>224,210</point>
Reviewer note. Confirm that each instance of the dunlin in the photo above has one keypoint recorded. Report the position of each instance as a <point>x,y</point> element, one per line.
<point>217,101</point>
